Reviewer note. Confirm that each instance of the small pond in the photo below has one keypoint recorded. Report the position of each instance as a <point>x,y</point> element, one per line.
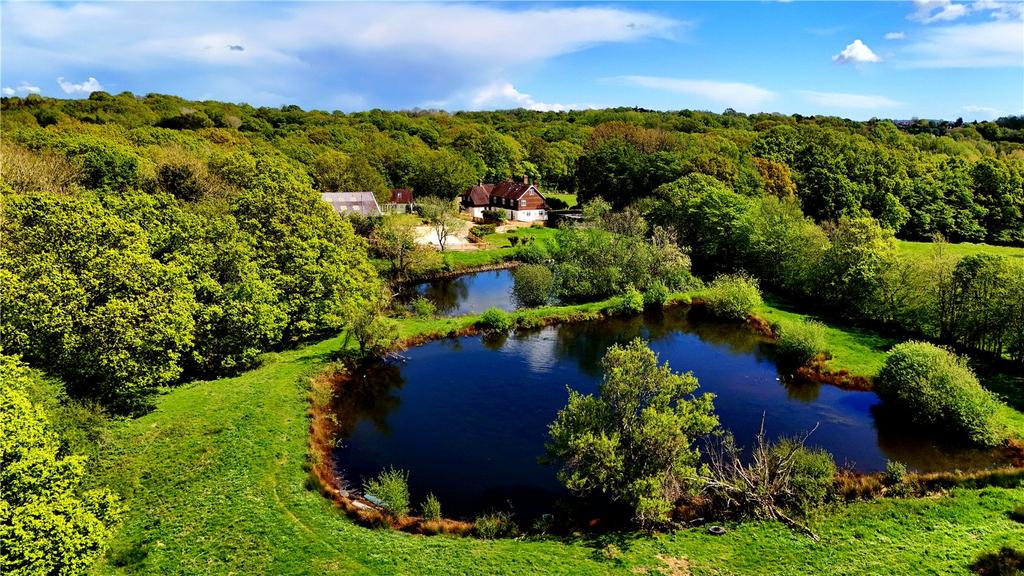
<point>466,294</point>
<point>468,417</point>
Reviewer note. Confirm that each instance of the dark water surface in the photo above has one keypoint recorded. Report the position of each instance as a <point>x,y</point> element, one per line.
<point>467,294</point>
<point>468,417</point>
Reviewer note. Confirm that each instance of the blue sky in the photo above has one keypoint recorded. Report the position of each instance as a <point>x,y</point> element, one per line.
<point>935,58</point>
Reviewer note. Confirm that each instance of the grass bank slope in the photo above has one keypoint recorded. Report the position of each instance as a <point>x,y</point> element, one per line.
<point>214,482</point>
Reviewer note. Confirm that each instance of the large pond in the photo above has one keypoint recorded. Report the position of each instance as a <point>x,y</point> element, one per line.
<point>468,417</point>
<point>466,294</point>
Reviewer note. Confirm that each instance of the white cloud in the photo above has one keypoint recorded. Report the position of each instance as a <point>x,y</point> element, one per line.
<point>24,88</point>
<point>856,52</point>
<point>847,100</point>
<point>87,87</point>
<point>505,95</point>
<point>984,111</point>
<point>895,35</point>
<point>999,10</point>
<point>733,94</point>
<point>126,34</point>
<point>929,11</point>
<point>986,45</point>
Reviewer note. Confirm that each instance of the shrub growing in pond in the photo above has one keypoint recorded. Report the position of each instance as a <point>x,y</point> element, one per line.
<point>423,307</point>
<point>656,295</point>
<point>431,508</point>
<point>799,342</point>
<point>732,297</point>
<point>533,283</point>
<point>495,319</point>
<point>391,487</point>
<point>936,388</point>
<point>634,441</point>
<point>495,525</point>
<point>631,302</point>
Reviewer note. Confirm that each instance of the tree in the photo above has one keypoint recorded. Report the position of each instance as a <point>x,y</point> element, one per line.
<point>49,525</point>
<point>334,171</point>
<point>442,215</point>
<point>374,332</point>
<point>395,240</point>
<point>634,441</point>
<point>533,284</point>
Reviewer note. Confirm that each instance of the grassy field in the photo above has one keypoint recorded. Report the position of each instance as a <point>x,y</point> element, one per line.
<point>860,352</point>
<point>925,249</point>
<point>543,236</point>
<point>214,476</point>
<point>501,248</point>
<point>569,199</point>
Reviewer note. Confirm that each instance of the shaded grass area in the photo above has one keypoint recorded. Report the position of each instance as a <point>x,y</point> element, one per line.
<point>959,250</point>
<point>569,199</point>
<point>214,483</point>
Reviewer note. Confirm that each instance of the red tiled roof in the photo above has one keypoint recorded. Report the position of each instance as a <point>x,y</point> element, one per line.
<point>510,190</point>
<point>401,196</point>
<point>480,195</point>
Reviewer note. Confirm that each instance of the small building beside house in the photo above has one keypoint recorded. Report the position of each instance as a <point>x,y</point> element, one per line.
<point>520,201</point>
<point>363,203</point>
<point>400,202</point>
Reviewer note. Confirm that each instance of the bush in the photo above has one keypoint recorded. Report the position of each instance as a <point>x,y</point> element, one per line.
<point>812,475</point>
<point>533,283</point>
<point>936,388</point>
<point>656,295</point>
<point>799,342</point>
<point>531,253</point>
<point>495,319</point>
<point>391,487</point>
<point>423,307</point>
<point>632,302</point>
<point>732,297</point>
<point>495,525</point>
<point>895,472</point>
<point>431,508</point>
<point>779,480</point>
<point>482,230</point>
<point>494,216</point>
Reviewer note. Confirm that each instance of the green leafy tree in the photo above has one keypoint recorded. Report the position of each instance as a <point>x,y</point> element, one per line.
<point>634,441</point>
<point>533,284</point>
<point>49,524</point>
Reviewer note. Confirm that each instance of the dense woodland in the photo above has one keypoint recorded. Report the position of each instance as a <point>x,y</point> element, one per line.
<point>151,239</point>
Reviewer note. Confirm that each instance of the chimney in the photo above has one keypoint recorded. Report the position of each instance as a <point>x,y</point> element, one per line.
<point>526,179</point>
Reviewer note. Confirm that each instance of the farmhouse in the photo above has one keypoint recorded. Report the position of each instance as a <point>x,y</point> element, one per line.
<point>352,202</point>
<point>400,202</point>
<point>520,201</point>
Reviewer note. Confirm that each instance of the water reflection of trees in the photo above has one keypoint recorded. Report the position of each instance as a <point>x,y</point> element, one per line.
<point>586,343</point>
<point>447,293</point>
<point>926,450</point>
<point>368,392</point>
